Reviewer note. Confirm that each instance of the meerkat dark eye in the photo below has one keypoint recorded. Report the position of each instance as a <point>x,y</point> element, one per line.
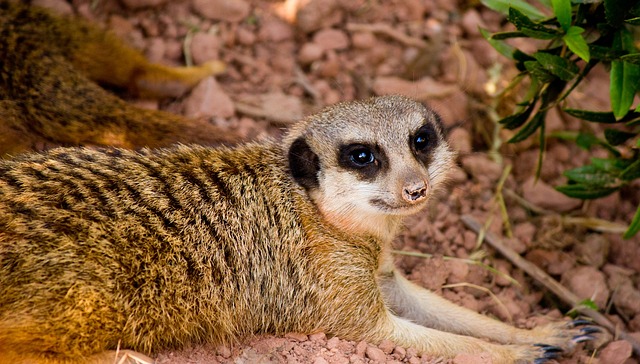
<point>424,139</point>
<point>367,160</point>
<point>361,157</point>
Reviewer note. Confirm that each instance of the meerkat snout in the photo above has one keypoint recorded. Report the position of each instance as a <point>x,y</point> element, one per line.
<point>415,192</point>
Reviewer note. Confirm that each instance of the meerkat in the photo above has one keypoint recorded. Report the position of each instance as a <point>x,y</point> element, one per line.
<point>157,249</point>
<point>50,68</point>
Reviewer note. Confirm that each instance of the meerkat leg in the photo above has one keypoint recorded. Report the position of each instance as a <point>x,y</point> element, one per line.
<point>428,309</point>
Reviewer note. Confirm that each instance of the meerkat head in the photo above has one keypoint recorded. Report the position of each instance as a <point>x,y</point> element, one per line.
<point>367,164</point>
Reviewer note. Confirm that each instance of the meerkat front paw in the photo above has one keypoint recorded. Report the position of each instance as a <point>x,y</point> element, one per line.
<point>553,340</point>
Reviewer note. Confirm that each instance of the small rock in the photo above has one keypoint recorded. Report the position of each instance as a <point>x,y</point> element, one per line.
<point>541,194</point>
<point>400,352</point>
<point>587,283</point>
<point>553,262</point>
<point>387,346</point>
<point>245,36</point>
<point>310,52</point>
<point>375,354</point>
<point>319,336</point>
<point>363,40</point>
<point>275,30</point>
<point>137,4</point>
<point>361,348</point>
<point>460,140</point>
<point>155,49</point>
<point>458,271</point>
<point>471,22</point>
<point>208,99</point>
<point>60,7</point>
<point>594,250</point>
<point>524,231</point>
<point>205,47</point>
<point>481,167</point>
<point>318,14</point>
<point>224,10</point>
<point>331,39</point>
<point>616,352</point>
<point>333,343</point>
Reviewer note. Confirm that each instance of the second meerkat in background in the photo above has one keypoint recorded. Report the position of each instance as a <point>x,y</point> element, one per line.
<point>153,250</point>
<point>50,68</point>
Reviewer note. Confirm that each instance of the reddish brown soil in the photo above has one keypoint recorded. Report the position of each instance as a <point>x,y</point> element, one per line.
<point>431,50</point>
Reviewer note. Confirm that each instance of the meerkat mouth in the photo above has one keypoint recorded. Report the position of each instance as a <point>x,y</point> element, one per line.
<point>397,209</point>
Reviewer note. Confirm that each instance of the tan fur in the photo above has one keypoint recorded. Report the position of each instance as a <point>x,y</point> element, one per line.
<point>50,68</point>
<point>165,248</point>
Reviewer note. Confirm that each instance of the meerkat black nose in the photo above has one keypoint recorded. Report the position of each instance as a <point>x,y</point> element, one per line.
<point>415,192</point>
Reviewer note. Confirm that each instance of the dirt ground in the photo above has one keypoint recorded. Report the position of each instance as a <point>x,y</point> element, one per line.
<point>289,58</point>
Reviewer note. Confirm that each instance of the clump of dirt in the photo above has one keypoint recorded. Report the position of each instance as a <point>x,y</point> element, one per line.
<point>289,58</point>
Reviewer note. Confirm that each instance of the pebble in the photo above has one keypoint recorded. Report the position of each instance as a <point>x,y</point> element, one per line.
<point>471,22</point>
<point>333,343</point>
<point>482,358</point>
<point>309,53</point>
<point>318,14</point>
<point>208,99</point>
<point>245,36</point>
<point>320,360</point>
<point>387,346</point>
<point>481,167</point>
<point>331,39</point>
<point>400,352</point>
<point>224,351</point>
<point>156,49</point>
<point>319,336</point>
<point>542,195</point>
<point>205,47</point>
<point>275,30</point>
<point>363,40</point>
<point>224,10</point>
<point>587,283</point>
<point>617,352</point>
<point>375,354</point>
<point>361,348</point>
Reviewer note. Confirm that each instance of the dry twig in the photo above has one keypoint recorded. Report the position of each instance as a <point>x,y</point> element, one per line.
<point>387,30</point>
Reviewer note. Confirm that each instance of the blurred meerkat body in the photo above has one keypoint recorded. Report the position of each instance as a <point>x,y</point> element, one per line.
<point>50,68</point>
<point>158,249</point>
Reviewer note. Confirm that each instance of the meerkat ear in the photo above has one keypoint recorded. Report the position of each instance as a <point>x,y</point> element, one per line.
<point>304,164</point>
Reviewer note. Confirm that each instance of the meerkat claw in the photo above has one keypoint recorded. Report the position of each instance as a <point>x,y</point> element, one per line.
<point>580,322</point>
<point>590,330</point>
<point>582,338</point>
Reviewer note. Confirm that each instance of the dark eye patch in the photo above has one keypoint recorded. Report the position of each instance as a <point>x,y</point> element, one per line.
<point>424,141</point>
<point>367,160</point>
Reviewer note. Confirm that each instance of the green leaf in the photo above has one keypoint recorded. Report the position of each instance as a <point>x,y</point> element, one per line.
<point>576,43</point>
<point>633,58</point>
<point>590,175</point>
<point>633,21</point>
<point>562,10</point>
<point>529,128</point>
<point>634,226</point>
<point>632,172</point>
<point>529,27</point>
<point>502,6</point>
<point>507,35</point>
<point>610,165</point>
<point>502,47</point>
<point>605,53</point>
<point>538,72</point>
<point>617,137</point>
<point>624,78</point>
<point>516,120</point>
<point>586,192</point>
<point>561,67</point>
<point>602,117</point>
<point>586,140</point>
